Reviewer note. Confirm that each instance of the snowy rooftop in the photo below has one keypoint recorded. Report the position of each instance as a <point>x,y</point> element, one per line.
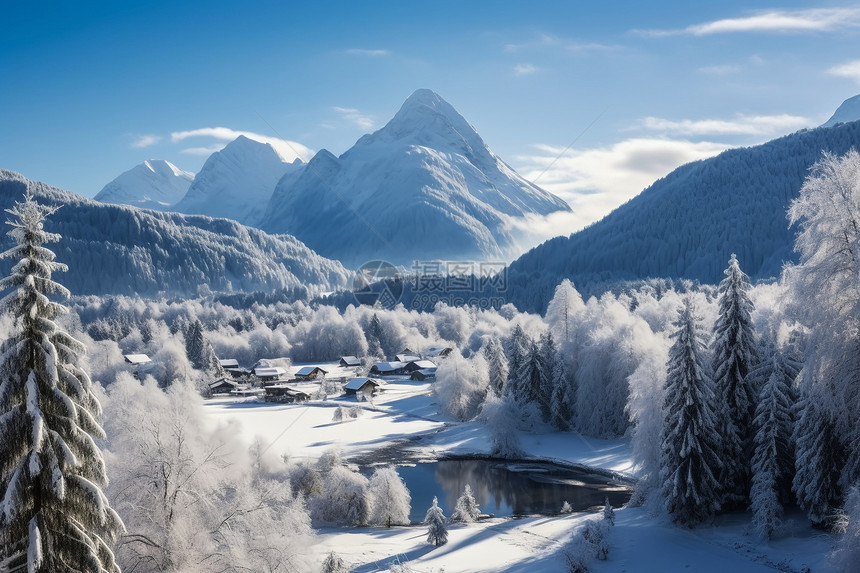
<point>423,364</point>
<point>269,371</point>
<point>137,358</point>
<point>407,358</point>
<point>306,370</point>
<point>389,366</point>
<point>357,383</point>
<point>229,363</point>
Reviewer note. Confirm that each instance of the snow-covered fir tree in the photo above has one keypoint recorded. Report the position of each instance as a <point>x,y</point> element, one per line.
<point>689,458</point>
<point>566,303</point>
<point>497,365</point>
<point>563,395</point>
<point>437,533</point>
<point>818,459</point>
<point>549,357</point>
<point>51,471</point>
<point>466,509</point>
<point>773,459</point>
<point>392,500</point>
<point>608,512</point>
<point>735,353</point>
<point>533,378</point>
<point>847,554</point>
<point>334,564</point>
<point>516,348</point>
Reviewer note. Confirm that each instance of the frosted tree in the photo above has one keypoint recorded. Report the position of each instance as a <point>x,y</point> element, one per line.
<point>52,506</point>
<point>826,297</point>
<point>499,414</point>
<point>334,564</point>
<point>533,378</point>
<point>549,357</point>
<point>375,337</point>
<point>773,459</point>
<point>689,459</point>
<point>566,303</point>
<point>466,509</point>
<point>391,498</point>
<point>497,365</point>
<point>200,352</point>
<point>608,512</point>
<point>847,554</point>
<point>437,533</point>
<point>734,355</point>
<point>818,457</point>
<point>563,395</point>
<point>517,346</point>
<point>461,385</point>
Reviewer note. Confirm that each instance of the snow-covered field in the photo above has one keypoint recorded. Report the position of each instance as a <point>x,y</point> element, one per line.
<point>407,410</point>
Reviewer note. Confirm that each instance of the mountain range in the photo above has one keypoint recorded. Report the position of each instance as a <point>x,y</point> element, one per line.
<point>687,224</point>
<point>424,187</point>
<point>117,249</point>
<point>154,184</point>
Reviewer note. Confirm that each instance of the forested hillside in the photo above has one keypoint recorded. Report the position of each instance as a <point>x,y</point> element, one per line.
<point>115,249</point>
<point>687,224</point>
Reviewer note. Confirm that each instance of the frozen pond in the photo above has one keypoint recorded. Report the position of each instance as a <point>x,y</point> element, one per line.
<point>509,488</point>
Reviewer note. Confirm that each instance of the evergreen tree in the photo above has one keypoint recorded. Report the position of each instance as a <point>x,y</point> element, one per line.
<point>549,357</point>
<point>608,512</point>
<point>51,471</point>
<point>374,336</point>
<point>565,304</point>
<point>515,350</point>
<point>563,396</point>
<point>334,564</point>
<point>735,354</point>
<point>497,365</point>
<point>200,353</point>
<point>533,378</point>
<point>773,460</point>
<point>437,534</point>
<point>818,457</point>
<point>467,509</point>
<point>689,459</point>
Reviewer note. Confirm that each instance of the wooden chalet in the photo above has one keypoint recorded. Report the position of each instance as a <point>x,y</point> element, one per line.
<point>285,394</point>
<point>310,373</point>
<point>137,359</point>
<point>388,368</point>
<point>364,385</point>
<point>421,375</point>
<point>269,373</point>
<point>349,361</point>
<point>414,365</point>
<point>406,357</point>
<point>223,386</point>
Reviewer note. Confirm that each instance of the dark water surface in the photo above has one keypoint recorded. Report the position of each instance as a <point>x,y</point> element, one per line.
<point>509,488</point>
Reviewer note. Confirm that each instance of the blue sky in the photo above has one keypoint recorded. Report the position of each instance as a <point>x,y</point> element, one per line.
<point>90,89</point>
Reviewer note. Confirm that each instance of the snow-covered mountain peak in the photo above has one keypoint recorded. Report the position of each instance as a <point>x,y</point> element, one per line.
<point>154,184</point>
<point>847,112</point>
<point>237,182</point>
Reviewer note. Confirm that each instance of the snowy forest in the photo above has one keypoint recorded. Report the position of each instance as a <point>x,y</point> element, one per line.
<point>734,397</point>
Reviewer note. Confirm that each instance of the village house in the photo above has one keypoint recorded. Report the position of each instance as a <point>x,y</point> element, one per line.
<point>285,394</point>
<point>388,368</point>
<point>349,362</point>
<point>269,374</point>
<point>422,375</point>
<point>363,385</point>
<point>420,365</point>
<point>310,373</point>
<point>222,386</point>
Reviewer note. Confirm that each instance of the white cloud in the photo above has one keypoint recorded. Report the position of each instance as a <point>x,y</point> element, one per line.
<point>780,21</point>
<point>849,70</point>
<point>203,151</point>
<point>353,115</point>
<point>364,52</point>
<point>288,150</point>
<point>524,69</point>
<point>595,181</point>
<point>549,41</point>
<point>147,140</point>
<point>739,125</point>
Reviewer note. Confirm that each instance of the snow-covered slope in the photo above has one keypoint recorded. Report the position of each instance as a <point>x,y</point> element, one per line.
<point>423,187</point>
<point>116,249</point>
<point>848,111</point>
<point>154,184</point>
<point>236,182</point>
<point>687,224</point>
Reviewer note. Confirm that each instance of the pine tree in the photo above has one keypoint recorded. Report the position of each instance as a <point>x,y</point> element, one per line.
<point>334,564</point>
<point>563,396</point>
<point>375,336</point>
<point>608,512</point>
<point>497,365</point>
<point>818,457</point>
<point>689,459</point>
<point>437,534</point>
<point>515,349</point>
<point>773,460</point>
<point>467,509</point>
<point>549,357</point>
<point>51,471</point>
<point>533,379</point>
<point>735,354</point>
